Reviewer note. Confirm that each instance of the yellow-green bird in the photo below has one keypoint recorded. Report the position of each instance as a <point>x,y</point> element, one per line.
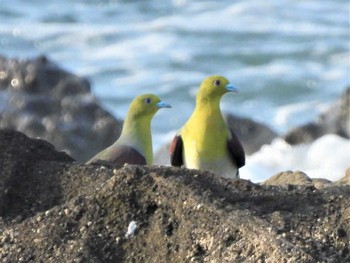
<point>205,141</point>
<point>134,145</point>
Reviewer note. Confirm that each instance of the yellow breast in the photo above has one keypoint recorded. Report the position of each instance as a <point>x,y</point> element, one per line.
<point>205,139</point>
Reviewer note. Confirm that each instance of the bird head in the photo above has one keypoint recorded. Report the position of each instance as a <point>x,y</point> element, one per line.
<point>214,87</point>
<point>145,106</point>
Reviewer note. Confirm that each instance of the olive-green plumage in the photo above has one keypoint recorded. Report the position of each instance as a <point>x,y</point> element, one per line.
<point>205,142</point>
<point>134,145</point>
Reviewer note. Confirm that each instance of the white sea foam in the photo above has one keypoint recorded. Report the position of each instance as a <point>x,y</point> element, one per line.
<point>327,157</point>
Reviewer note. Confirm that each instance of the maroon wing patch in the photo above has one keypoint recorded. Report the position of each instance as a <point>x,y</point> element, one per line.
<point>127,154</point>
<point>176,150</point>
<point>120,155</point>
<point>236,150</point>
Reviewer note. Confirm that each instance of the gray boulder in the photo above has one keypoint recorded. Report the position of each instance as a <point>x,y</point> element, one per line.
<point>252,134</point>
<point>42,100</point>
<point>335,120</point>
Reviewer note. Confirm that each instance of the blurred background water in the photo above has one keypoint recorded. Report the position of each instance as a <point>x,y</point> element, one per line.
<point>290,59</point>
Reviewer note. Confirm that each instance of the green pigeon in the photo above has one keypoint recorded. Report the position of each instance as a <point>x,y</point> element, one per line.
<point>205,142</point>
<point>134,146</point>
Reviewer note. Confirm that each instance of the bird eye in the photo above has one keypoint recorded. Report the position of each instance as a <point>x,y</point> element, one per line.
<point>216,82</point>
<point>147,101</point>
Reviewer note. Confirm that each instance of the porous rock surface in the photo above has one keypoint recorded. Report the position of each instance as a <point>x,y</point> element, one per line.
<point>56,210</point>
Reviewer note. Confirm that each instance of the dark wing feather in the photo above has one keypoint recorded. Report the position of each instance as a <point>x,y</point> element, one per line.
<point>120,155</point>
<point>236,150</point>
<point>176,150</point>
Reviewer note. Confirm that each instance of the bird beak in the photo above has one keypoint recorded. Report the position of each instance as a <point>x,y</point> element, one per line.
<point>162,104</point>
<point>231,88</point>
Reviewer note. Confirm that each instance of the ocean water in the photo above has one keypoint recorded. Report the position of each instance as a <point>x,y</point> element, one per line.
<point>290,60</point>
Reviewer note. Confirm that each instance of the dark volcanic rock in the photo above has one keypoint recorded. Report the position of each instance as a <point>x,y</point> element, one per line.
<point>42,100</point>
<point>21,187</point>
<point>336,120</point>
<point>81,213</point>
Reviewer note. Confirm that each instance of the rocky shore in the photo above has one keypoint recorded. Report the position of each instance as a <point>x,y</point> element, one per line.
<point>55,209</point>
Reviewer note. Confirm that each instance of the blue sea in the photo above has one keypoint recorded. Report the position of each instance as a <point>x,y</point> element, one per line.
<point>290,59</point>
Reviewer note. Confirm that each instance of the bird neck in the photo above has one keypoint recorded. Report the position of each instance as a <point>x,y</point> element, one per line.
<point>137,133</point>
<point>207,110</point>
